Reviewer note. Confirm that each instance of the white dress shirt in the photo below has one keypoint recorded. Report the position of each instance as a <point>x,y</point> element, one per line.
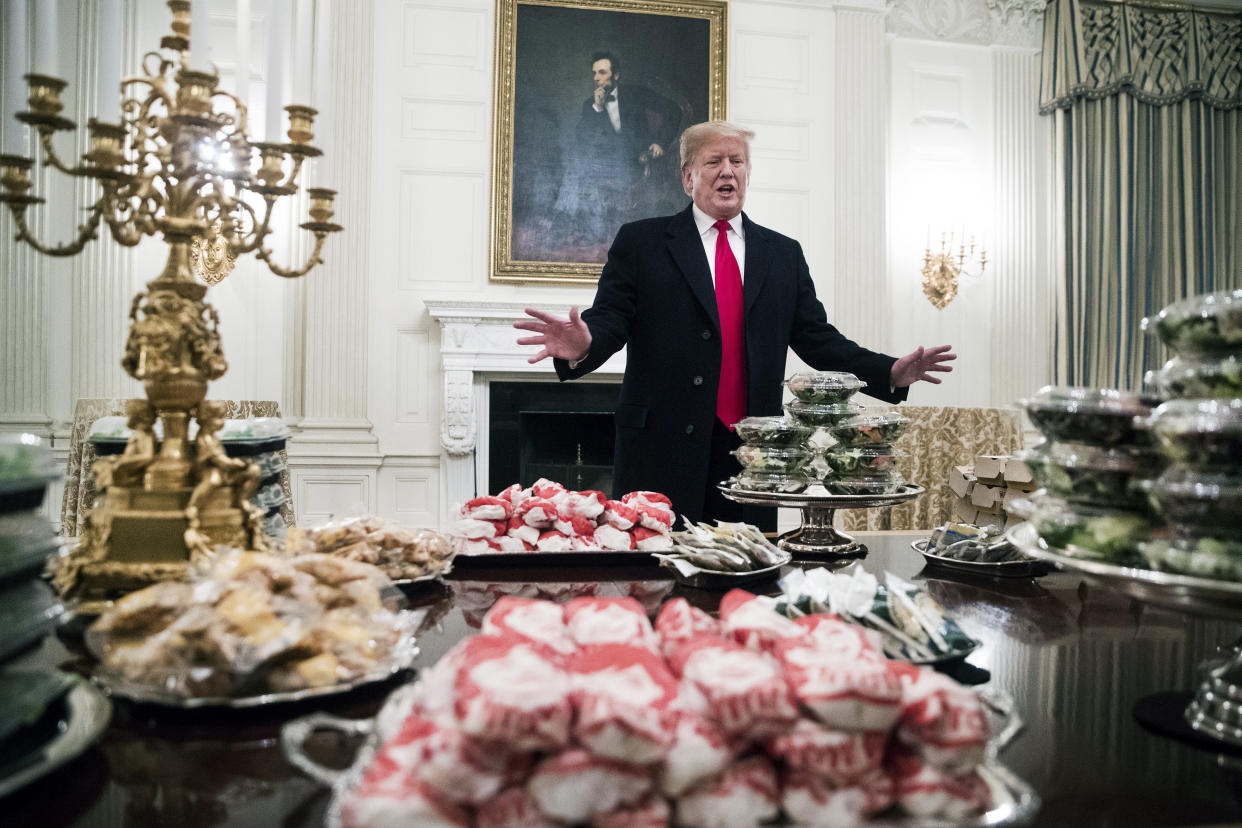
<point>708,233</point>
<point>610,106</point>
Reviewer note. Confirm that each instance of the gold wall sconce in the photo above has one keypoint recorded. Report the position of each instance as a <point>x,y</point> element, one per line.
<point>941,270</point>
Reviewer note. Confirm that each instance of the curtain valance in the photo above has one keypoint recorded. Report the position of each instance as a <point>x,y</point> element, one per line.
<point>1158,54</point>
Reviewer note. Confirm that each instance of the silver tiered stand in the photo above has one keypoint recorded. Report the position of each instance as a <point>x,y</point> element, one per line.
<point>1216,710</point>
<point>816,537</point>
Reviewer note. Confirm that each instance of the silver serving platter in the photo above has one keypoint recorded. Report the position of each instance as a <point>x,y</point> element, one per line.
<point>813,499</point>
<point>1204,596</point>
<point>116,687</point>
<point>1014,802</point>
<point>716,579</point>
<point>1029,568</point>
<point>88,712</point>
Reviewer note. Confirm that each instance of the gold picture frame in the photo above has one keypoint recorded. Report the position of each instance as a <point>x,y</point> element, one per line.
<point>568,170</point>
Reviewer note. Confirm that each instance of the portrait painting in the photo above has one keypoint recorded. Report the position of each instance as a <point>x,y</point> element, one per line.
<point>591,99</point>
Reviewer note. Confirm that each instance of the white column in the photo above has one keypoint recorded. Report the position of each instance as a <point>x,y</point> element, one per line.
<point>334,404</point>
<point>1021,275</point>
<point>861,303</point>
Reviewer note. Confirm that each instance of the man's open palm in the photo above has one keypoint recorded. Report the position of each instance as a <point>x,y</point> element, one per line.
<point>567,339</point>
<point>920,364</point>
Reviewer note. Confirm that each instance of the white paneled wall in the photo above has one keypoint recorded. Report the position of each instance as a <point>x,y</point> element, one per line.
<point>877,121</point>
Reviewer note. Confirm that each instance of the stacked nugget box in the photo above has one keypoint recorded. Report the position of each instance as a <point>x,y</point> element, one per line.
<point>1092,467</point>
<point>28,608</point>
<point>547,517</point>
<point>586,714</point>
<point>984,493</point>
<point>1199,431</point>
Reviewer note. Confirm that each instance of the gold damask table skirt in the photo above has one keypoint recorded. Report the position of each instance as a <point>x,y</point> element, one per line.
<point>79,494</point>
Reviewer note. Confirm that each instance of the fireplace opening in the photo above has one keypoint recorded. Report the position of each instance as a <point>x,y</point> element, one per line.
<point>563,432</point>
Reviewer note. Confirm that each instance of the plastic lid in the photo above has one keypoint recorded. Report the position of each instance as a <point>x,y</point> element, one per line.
<point>1222,311</point>
<point>782,431</point>
<point>1071,400</point>
<point>772,481</point>
<point>1198,416</point>
<point>1187,482</point>
<point>824,381</point>
<point>791,454</point>
<point>866,485</point>
<point>1082,456</point>
<point>815,410</point>
<point>25,458</point>
<point>1201,375</point>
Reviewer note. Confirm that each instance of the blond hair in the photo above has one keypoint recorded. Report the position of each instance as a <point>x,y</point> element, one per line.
<point>699,135</point>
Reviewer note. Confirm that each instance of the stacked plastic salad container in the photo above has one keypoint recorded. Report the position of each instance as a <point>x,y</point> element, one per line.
<point>778,454</point>
<point>1199,431</point>
<point>1092,466</point>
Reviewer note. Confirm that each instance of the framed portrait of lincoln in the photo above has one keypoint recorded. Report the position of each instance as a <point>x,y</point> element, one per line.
<point>591,98</point>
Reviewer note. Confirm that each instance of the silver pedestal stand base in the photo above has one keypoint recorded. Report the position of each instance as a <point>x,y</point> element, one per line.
<point>816,537</point>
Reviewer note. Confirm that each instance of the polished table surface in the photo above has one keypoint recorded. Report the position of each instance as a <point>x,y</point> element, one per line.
<point>1075,657</point>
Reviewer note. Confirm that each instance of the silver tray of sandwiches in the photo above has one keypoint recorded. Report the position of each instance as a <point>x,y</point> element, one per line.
<point>978,551</point>
<point>1209,596</point>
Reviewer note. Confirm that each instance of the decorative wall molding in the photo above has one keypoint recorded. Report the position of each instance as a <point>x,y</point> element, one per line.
<point>981,22</point>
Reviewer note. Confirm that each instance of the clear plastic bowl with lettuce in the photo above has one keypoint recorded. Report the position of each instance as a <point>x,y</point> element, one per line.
<point>866,462</point>
<point>774,458</point>
<point>1096,416</point>
<point>1089,474</point>
<point>1208,323</point>
<point>870,429</point>
<point>1204,376</point>
<point>1206,434</point>
<point>822,414</point>
<point>1087,531</point>
<point>1208,501</point>
<point>773,431</point>
<point>823,387</point>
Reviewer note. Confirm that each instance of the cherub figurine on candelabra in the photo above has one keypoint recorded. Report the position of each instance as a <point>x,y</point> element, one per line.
<point>178,166</point>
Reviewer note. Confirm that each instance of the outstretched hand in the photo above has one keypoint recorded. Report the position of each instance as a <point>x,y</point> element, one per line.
<point>918,366</point>
<point>568,339</point>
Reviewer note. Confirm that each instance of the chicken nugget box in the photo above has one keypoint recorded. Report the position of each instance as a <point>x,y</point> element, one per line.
<point>1018,475</point>
<point>961,481</point>
<point>987,497</point>
<point>990,468</point>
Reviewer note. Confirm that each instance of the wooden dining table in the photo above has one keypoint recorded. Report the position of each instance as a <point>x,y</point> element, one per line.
<point>1099,679</point>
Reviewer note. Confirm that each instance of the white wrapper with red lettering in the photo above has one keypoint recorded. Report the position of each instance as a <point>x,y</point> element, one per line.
<point>837,756</point>
<point>834,637</point>
<point>942,721</point>
<point>542,622</point>
<point>389,796</point>
<point>753,622</point>
<point>514,808</point>
<point>927,792</point>
<point>652,812</point>
<point>576,785</point>
<point>745,689</point>
<point>609,621</point>
<point>811,800</point>
<point>698,751</point>
<point>623,696</point>
<point>457,766</point>
<point>743,796</point>
<point>861,694</point>
<point>511,690</point>
<point>678,622</point>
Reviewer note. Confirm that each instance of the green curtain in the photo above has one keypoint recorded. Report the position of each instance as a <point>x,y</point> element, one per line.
<point>1146,109</point>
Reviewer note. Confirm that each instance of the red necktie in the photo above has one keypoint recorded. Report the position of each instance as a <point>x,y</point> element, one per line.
<point>731,398</point>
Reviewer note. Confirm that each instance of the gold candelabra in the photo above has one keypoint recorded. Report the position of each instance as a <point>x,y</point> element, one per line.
<point>179,164</point>
<point>941,270</point>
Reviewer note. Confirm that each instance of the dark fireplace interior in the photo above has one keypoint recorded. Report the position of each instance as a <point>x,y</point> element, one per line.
<point>561,431</point>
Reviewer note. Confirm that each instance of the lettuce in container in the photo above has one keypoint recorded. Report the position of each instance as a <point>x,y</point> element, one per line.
<point>1204,324</point>
<point>1203,557</point>
<point>773,431</point>
<point>1203,499</point>
<point>1199,377</point>
<point>773,458</point>
<point>1096,416</point>
<point>757,481</point>
<point>1206,434</point>
<point>825,414</point>
<point>871,461</point>
<point>1088,474</point>
<point>824,387</point>
<point>878,429</point>
<point>1094,532</point>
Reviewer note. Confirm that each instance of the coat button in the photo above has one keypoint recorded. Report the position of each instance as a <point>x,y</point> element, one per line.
<point>697,380</point>
<point>706,334</point>
<point>690,429</point>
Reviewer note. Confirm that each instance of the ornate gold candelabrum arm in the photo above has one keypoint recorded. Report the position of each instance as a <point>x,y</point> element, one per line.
<point>179,164</point>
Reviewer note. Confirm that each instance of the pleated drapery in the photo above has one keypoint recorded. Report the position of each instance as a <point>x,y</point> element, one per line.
<point>1146,102</point>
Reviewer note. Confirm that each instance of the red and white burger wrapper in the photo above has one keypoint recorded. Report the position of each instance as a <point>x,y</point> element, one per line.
<point>537,512</point>
<point>609,621</point>
<point>575,785</point>
<point>837,756</point>
<point>389,796</point>
<point>745,689</point>
<point>623,696</point>
<point>926,792</point>
<point>453,764</point>
<point>698,751</point>
<point>546,489</point>
<point>810,800</point>
<point>652,812</point>
<point>679,622</point>
<point>487,508</point>
<point>834,637</point>
<point>523,531</point>
<point>613,539</point>
<point>514,808</point>
<point>512,691</point>
<point>845,695</point>
<point>941,721</point>
<point>542,622</point>
<point>619,515</point>
<point>743,796</point>
<point>753,622</point>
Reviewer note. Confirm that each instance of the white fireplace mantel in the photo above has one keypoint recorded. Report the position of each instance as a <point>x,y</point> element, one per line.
<point>478,344</point>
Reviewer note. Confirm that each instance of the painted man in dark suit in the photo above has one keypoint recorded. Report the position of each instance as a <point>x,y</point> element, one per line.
<point>617,166</point>
<point>657,296</point>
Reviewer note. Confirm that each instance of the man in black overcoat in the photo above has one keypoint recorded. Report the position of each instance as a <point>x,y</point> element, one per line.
<point>657,296</point>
